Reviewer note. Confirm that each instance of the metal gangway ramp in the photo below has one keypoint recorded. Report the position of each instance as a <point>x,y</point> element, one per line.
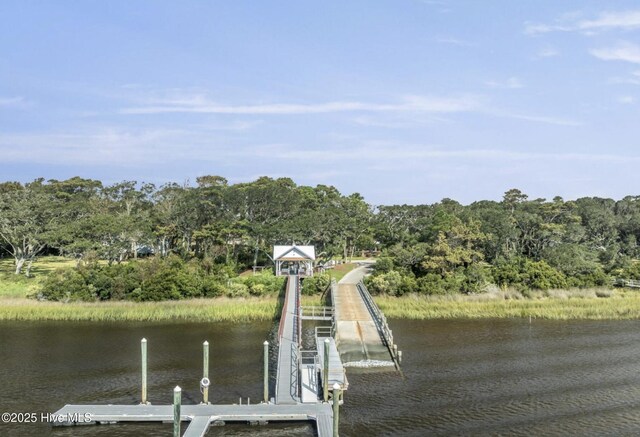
<point>362,334</point>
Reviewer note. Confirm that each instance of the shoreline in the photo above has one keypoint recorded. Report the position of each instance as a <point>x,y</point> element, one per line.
<point>621,305</point>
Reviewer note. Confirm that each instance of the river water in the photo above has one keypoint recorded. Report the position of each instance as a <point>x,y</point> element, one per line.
<point>495,377</point>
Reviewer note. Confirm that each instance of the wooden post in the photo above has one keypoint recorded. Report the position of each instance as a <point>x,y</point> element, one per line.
<point>205,373</point>
<point>325,371</point>
<point>266,372</point>
<point>177,400</point>
<point>336,408</point>
<point>143,349</point>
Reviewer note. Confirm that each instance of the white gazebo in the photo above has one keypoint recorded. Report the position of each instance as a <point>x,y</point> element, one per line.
<point>294,260</point>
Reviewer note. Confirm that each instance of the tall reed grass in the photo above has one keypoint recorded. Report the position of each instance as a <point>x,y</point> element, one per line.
<point>195,310</point>
<point>557,304</point>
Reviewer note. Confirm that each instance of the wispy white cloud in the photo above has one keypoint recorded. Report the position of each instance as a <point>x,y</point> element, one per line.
<point>454,41</point>
<point>614,20</point>
<point>632,79</point>
<point>13,102</point>
<point>399,122</point>
<point>201,104</point>
<point>623,51</point>
<point>558,121</point>
<point>386,152</point>
<point>626,100</point>
<point>511,83</point>
<point>548,52</point>
<point>103,146</point>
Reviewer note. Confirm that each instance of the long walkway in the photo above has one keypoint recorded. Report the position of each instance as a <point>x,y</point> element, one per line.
<point>288,337</point>
<point>357,333</point>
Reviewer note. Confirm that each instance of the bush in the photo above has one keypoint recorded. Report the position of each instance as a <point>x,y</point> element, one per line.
<point>67,285</point>
<point>264,283</point>
<point>235,289</point>
<point>153,280</point>
<point>384,264</point>
<point>316,284</point>
<point>523,273</point>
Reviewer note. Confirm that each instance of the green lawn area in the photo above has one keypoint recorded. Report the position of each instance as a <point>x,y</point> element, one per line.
<point>340,270</point>
<point>12,285</point>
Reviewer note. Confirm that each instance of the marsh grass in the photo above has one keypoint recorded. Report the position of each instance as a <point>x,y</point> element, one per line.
<point>194,310</point>
<point>555,304</point>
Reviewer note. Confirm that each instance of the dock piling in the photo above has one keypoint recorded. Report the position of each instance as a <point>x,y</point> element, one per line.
<point>325,371</point>
<point>205,382</point>
<point>336,408</point>
<point>177,401</point>
<point>266,372</point>
<point>143,350</point>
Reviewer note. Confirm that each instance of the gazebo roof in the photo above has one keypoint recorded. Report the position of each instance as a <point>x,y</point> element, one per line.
<point>294,253</point>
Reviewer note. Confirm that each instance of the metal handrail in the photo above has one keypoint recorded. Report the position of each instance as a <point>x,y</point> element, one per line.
<point>316,311</point>
<point>381,320</point>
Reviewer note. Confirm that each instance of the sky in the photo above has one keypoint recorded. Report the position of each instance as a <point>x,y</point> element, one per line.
<point>403,101</point>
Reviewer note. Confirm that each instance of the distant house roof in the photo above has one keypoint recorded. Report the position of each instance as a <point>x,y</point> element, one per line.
<point>294,253</point>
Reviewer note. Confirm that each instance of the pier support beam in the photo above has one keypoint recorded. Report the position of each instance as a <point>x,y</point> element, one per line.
<point>143,350</point>
<point>266,372</point>
<point>177,401</point>
<point>205,382</point>
<point>336,408</point>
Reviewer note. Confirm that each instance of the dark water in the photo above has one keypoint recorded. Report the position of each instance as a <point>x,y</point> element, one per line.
<point>460,377</point>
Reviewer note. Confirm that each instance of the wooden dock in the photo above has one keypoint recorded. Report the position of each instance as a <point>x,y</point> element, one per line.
<point>299,383</point>
<point>201,417</point>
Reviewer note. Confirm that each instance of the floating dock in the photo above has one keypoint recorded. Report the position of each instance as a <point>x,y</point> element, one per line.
<point>309,389</point>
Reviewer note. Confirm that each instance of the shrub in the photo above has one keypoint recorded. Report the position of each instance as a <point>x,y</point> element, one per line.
<point>67,285</point>
<point>235,289</point>
<point>316,284</point>
<point>524,273</point>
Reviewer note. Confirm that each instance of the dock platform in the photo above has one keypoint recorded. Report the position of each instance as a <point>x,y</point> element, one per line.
<point>200,417</point>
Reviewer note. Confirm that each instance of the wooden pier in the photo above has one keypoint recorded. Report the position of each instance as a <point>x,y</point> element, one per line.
<point>309,384</point>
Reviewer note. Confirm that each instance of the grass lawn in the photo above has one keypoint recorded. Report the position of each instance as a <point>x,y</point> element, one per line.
<point>340,270</point>
<point>12,285</point>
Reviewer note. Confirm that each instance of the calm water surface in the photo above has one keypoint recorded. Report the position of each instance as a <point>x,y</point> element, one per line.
<point>501,377</point>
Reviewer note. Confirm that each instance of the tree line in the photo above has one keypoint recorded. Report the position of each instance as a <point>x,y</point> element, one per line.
<point>430,248</point>
<point>232,224</point>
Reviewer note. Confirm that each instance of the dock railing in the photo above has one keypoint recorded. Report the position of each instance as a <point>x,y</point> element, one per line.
<point>631,283</point>
<point>313,312</point>
<point>381,322</point>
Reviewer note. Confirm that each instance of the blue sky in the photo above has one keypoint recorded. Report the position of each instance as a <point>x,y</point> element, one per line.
<point>404,101</point>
